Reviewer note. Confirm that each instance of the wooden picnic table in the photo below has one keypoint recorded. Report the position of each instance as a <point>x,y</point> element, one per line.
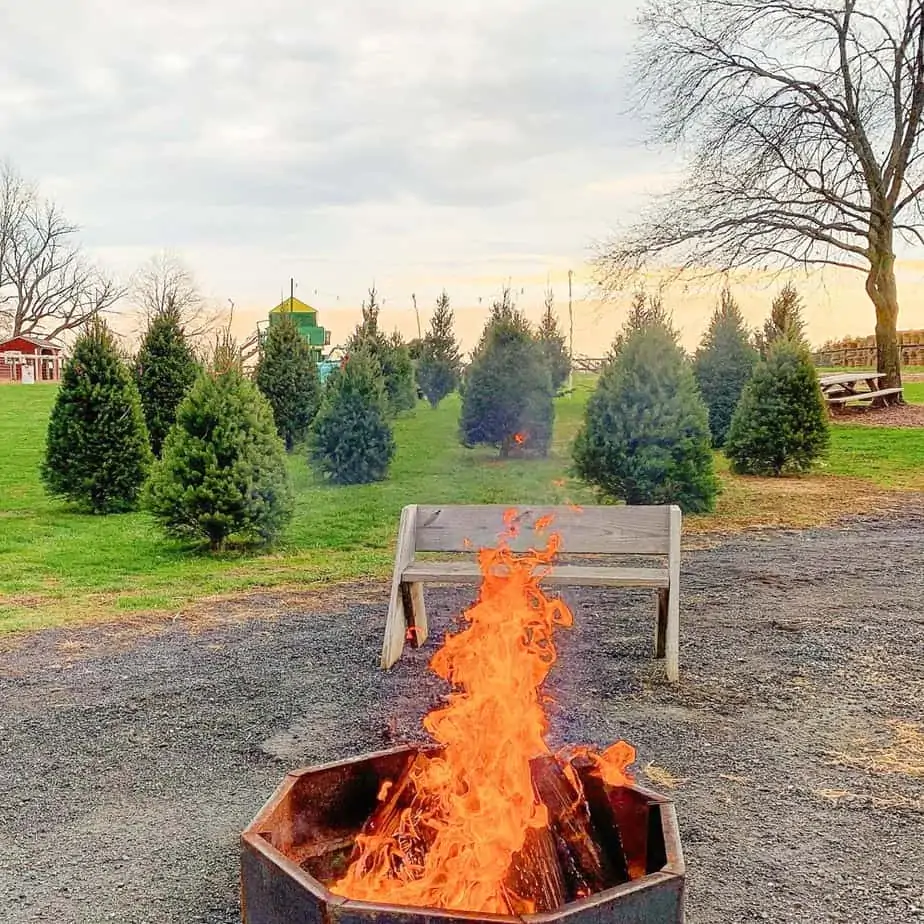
<point>855,386</point>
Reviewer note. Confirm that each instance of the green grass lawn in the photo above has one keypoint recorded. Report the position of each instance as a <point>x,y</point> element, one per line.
<point>58,565</point>
<point>914,392</point>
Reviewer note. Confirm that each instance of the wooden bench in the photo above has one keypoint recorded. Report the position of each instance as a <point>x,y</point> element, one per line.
<point>863,395</point>
<point>843,387</point>
<point>607,532</point>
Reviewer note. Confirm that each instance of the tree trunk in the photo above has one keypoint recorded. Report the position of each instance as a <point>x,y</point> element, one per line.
<point>883,291</point>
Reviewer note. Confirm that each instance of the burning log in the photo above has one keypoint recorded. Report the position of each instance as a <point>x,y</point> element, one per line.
<point>535,882</point>
<point>394,819</point>
<point>586,867</point>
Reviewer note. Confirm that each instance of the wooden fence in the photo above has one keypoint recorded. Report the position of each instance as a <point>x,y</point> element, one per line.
<point>587,363</point>
<point>865,357</point>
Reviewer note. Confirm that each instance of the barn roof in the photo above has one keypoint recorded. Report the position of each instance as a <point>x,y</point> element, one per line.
<point>35,341</point>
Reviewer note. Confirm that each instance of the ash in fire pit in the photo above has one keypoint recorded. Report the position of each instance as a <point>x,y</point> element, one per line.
<point>489,821</point>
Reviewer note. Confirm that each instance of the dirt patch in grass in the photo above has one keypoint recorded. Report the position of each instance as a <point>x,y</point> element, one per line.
<point>903,416</point>
<point>795,502</point>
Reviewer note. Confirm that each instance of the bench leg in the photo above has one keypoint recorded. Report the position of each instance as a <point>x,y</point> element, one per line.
<point>661,625</point>
<point>672,646</point>
<point>395,630</point>
<point>415,613</point>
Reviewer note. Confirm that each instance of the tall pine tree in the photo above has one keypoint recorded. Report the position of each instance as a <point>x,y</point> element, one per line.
<point>785,321</point>
<point>288,377</point>
<point>165,369</point>
<point>97,452</point>
<point>723,364</point>
<point>440,364</point>
<point>390,355</point>
<point>222,474</point>
<point>507,399</point>
<point>554,345</point>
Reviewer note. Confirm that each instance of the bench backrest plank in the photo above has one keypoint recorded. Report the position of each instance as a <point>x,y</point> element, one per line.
<point>584,531</point>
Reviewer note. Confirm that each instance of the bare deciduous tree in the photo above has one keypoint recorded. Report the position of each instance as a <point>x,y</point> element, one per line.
<point>47,286</point>
<point>804,118</point>
<point>166,283</point>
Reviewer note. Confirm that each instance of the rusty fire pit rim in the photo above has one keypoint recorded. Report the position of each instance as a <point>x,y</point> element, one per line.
<point>291,776</point>
<point>256,842</point>
<point>673,869</point>
<point>661,877</point>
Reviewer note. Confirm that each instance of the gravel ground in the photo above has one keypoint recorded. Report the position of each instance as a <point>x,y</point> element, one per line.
<point>130,760</point>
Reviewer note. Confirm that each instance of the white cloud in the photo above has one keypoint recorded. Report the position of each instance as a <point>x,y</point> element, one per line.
<point>336,141</point>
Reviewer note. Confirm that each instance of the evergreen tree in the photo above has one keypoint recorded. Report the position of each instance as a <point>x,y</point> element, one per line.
<point>645,437</point>
<point>781,422</point>
<point>288,377</point>
<point>398,372</point>
<point>391,356</point>
<point>723,365</point>
<point>97,453</point>
<point>165,370</point>
<point>644,311</point>
<point>222,474</point>
<point>785,320</point>
<point>507,399</point>
<point>351,441</point>
<point>554,345</point>
<point>440,364</point>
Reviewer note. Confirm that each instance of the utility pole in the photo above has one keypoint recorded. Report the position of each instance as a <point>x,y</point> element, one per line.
<point>570,339</point>
<point>291,294</point>
<point>417,313</point>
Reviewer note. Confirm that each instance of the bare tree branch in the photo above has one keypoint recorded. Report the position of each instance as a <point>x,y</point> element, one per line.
<point>47,286</point>
<point>164,284</point>
<point>804,122</point>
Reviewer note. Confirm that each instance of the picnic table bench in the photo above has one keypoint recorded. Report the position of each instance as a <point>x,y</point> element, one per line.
<point>855,386</point>
<point>605,533</point>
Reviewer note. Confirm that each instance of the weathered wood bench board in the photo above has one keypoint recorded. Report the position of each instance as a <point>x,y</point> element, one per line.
<point>607,532</point>
<point>863,395</point>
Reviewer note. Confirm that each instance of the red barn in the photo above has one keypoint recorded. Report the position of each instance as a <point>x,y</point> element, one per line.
<point>29,359</point>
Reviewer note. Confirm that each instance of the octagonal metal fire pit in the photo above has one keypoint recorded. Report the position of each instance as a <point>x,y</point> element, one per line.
<point>302,839</point>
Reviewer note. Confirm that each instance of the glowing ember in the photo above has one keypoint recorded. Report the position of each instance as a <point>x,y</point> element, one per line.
<point>452,827</point>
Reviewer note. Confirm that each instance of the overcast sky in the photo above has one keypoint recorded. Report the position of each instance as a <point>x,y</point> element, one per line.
<point>409,141</point>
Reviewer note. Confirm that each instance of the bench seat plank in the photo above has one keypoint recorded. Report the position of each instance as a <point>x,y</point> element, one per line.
<point>468,572</point>
<point>864,395</point>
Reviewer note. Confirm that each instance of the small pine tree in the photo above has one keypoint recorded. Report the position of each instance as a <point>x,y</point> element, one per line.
<point>351,441</point>
<point>165,370</point>
<point>398,372</point>
<point>723,365</point>
<point>222,474</point>
<point>97,453</point>
<point>439,365</point>
<point>288,377</point>
<point>781,423</point>
<point>785,320</point>
<point>507,400</point>
<point>391,356</point>
<point>645,437</point>
<point>554,345</point>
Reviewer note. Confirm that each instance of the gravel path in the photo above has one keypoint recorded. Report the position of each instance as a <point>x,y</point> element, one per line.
<point>130,761</point>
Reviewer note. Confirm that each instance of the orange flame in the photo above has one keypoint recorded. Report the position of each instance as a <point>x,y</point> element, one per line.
<point>519,438</point>
<point>473,804</point>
